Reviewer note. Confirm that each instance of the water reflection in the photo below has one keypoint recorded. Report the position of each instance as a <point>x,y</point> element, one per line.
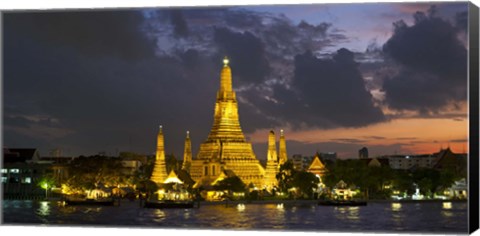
<point>377,216</point>
<point>447,205</point>
<point>347,213</point>
<point>241,207</point>
<point>44,208</point>
<point>353,213</point>
<point>186,214</point>
<point>159,215</point>
<point>397,215</point>
<point>396,206</point>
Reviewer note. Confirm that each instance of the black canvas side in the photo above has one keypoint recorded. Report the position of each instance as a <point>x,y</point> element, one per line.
<point>473,116</point>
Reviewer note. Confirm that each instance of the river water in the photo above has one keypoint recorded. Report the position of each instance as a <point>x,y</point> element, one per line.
<point>435,217</point>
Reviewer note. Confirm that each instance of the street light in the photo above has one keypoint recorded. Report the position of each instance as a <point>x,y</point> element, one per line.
<point>45,186</point>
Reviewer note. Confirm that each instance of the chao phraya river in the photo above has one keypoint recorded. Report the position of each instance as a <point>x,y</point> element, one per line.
<point>436,217</point>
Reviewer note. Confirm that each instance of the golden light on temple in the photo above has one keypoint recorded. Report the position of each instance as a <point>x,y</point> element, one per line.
<point>226,148</point>
<point>225,152</point>
<point>160,168</point>
<point>225,61</point>
<point>272,167</point>
<point>187,153</point>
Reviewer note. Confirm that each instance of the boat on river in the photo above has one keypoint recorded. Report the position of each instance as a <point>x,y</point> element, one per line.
<point>342,203</point>
<point>163,204</point>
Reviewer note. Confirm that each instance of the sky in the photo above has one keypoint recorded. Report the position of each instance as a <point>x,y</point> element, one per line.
<point>391,77</point>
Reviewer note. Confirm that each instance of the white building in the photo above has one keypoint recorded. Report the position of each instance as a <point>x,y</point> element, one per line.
<point>406,162</point>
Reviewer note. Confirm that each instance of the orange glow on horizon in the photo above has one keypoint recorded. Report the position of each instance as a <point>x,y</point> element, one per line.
<point>415,135</point>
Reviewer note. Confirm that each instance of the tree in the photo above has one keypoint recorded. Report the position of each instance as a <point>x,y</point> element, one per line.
<point>285,176</point>
<point>171,163</point>
<point>403,181</point>
<point>447,178</point>
<point>88,172</point>
<point>147,186</point>
<point>305,182</point>
<point>234,184</point>
<point>428,180</point>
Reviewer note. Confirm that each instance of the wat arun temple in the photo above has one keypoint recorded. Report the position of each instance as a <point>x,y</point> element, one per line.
<point>225,152</point>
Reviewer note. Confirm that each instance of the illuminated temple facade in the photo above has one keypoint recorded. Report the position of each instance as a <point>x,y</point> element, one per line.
<point>272,167</point>
<point>226,147</point>
<point>159,174</point>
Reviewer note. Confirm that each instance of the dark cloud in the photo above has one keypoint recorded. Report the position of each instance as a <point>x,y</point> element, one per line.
<point>108,104</point>
<point>16,121</point>
<point>97,33</point>
<point>459,141</point>
<point>406,138</point>
<point>334,89</point>
<point>247,54</point>
<point>324,93</point>
<point>374,137</point>
<point>179,23</point>
<point>461,20</point>
<point>243,19</point>
<point>104,80</point>
<point>432,65</point>
<point>348,140</point>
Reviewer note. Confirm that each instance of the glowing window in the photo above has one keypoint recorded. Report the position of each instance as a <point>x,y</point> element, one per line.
<point>27,180</point>
<point>14,171</point>
<point>4,179</point>
<point>4,170</point>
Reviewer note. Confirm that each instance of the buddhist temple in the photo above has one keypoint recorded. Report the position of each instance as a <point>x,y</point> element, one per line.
<point>317,167</point>
<point>272,167</point>
<point>160,168</point>
<point>187,153</point>
<point>226,147</point>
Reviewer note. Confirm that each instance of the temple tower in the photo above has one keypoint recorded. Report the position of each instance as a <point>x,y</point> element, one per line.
<point>187,154</point>
<point>282,156</point>
<point>271,169</point>
<point>160,169</point>
<point>226,147</point>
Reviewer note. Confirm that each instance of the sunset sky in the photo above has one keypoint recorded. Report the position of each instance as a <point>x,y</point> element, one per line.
<point>391,77</point>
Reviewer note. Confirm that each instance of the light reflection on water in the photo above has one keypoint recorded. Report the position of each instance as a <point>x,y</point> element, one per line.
<point>44,209</point>
<point>349,213</point>
<point>422,217</point>
<point>159,215</point>
<point>396,206</point>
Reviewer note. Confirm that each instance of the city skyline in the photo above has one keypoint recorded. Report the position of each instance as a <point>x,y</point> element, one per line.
<point>333,86</point>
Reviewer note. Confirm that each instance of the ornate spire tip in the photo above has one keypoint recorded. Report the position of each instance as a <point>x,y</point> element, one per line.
<point>225,61</point>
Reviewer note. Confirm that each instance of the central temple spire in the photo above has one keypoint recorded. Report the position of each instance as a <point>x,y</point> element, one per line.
<point>226,82</point>
<point>226,124</point>
<point>226,147</point>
